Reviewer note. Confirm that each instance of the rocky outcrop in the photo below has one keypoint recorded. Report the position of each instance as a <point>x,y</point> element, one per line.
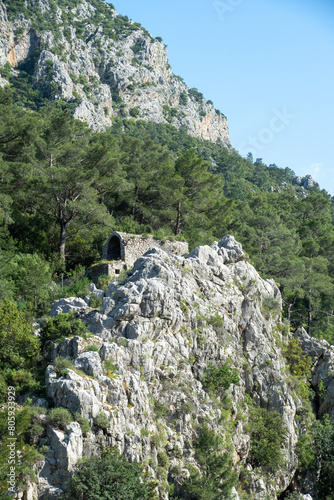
<point>322,355</point>
<point>306,182</point>
<point>155,336</point>
<point>106,64</point>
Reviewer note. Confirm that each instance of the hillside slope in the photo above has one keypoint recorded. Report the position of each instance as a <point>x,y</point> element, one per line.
<point>102,63</point>
<point>181,344</point>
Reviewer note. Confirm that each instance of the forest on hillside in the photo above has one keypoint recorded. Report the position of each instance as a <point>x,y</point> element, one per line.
<point>64,188</point>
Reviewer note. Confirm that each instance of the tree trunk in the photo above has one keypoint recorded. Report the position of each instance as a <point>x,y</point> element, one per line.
<point>178,220</point>
<point>309,316</point>
<point>62,242</point>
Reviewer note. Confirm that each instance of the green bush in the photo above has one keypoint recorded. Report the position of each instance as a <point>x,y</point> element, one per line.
<point>160,409</point>
<point>6,70</point>
<point>221,377</point>
<point>24,468</point>
<point>163,459</point>
<point>110,369</point>
<point>62,365</point>
<point>60,418</point>
<point>62,326</point>
<point>217,324</point>
<point>101,420</point>
<point>111,477</point>
<point>92,348</point>
<point>18,345</point>
<point>134,112</point>
<point>323,448</point>
<point>267,436</point>
<point>300,364</point>
<point>217,477</point>
<point>84,423</point>
<point>187,407</point>
<point>103,281</point>
<point>95,302</point>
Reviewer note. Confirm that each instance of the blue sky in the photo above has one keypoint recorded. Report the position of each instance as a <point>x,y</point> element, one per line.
<point>266,64</point>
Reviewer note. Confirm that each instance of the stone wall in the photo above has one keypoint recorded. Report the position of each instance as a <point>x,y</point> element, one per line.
<point>129,247</point>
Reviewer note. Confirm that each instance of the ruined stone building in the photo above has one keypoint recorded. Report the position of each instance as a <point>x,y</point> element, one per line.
<point>121,250</point>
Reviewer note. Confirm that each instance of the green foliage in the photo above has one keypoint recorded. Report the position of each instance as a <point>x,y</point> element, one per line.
<point>163,459</point>
<point>92,348</point>
<point>101,420</point>
<point>84,423</point>
<point>95,302</point>
<point>323,448</point>
<point>267,435</point>
<point>134,112</point>
<point>183,98</point>
<point>103,282</point>
<point>62,365</point>
<point>24,468</point>
<point>305,453</point>
<point>217,378</point>
<point>300,364</point>
<point>196,95</point>
<point>217,324</point>
<point>160,409</point>
<point>6,70</point>
<point>18,345</point>
<point>60,418</point>
<point>109,477</point>
<point>110,369</point>
<point>217,478</point>
<point>61,327</point>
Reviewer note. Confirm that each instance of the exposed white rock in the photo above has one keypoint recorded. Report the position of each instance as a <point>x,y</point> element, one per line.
<point>157,333</point>
<point>67,305</point>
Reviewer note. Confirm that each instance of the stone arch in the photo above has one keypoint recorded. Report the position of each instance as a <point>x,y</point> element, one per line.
<point>114,248</point>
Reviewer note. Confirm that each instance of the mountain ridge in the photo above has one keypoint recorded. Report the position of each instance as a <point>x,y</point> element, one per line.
<point>104,64</point>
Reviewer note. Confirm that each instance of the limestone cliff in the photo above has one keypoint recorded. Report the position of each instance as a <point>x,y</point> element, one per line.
<point>104,64</point>
<point>160,330</point>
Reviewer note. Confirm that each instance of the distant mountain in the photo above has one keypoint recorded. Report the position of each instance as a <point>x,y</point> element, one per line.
<point>101,63</point>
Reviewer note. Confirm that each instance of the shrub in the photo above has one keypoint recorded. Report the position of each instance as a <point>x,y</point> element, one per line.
<point>92,348</point>
<point>110,476</point>
<point>6,70</point>
<point>155,441</point>
<point>323,447</point>
<point>187,407</point>
<point>18,345</point>
<point>60,418</point>
<point>183,99</point>
<point>62,326</point>
<point>101,420</point>
<point>84,423</point>
<point>103,281</point>
<point>160,409</point>
<point>134,112</point>
<point>95,302</point>
<point>163,460</point>
<point>110,368</point>
<point>61,366</point>
<point>300,364</point>
<point>221,377</point>
<point>217,477</point>
<point>267,435</point>
<point>217,324</point>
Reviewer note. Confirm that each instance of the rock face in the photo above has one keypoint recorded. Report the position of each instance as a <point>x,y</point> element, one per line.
<point>155,336</point>
<point>306,182</point>
<point>105,64</point>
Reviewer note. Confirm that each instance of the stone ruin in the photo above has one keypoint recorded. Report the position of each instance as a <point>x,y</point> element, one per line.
<point>121,250</point>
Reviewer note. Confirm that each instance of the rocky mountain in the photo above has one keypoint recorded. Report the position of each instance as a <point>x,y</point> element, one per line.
<point>102,63</point>
<point>181,343</point>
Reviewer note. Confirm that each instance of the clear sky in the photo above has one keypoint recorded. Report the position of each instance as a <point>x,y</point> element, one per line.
<point>266,64</point>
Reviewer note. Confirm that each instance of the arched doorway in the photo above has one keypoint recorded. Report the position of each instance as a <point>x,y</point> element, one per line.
<point>114,248</point>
